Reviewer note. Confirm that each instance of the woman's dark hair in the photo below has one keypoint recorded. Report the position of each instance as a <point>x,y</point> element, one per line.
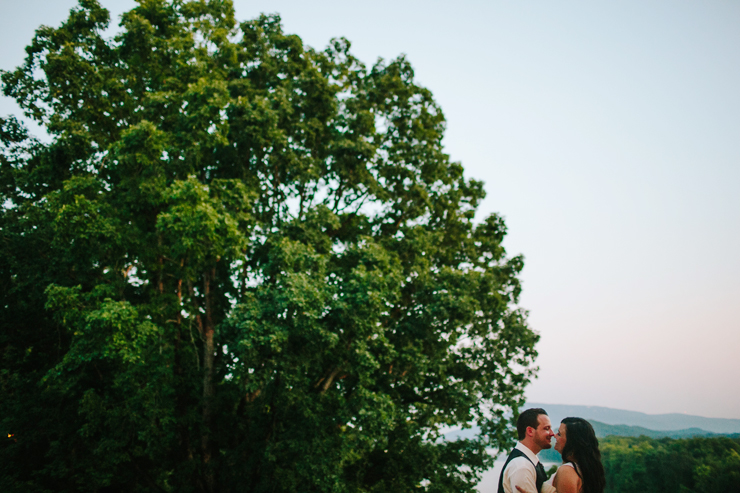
<point>582,447</point>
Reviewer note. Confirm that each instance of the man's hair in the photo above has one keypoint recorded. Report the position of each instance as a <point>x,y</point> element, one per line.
<point>528,418</point>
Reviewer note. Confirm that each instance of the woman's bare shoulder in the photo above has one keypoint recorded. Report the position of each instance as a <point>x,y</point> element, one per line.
<point>567,470</point>
<point>566,479</point>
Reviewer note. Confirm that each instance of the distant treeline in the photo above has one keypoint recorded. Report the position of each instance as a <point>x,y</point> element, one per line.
<point>701,464</point>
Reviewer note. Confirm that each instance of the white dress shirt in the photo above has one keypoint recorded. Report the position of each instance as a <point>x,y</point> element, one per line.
<point>521,472</point>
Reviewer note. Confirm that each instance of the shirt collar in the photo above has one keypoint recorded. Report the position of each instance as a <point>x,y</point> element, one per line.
<point>531,455</point>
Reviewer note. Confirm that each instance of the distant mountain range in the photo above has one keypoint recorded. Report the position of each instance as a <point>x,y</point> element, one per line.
<point>657,422</point>
<point>603,430</point>
<point>607,421</point>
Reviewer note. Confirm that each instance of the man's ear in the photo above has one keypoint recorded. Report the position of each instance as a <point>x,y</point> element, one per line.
<point>530,431</point>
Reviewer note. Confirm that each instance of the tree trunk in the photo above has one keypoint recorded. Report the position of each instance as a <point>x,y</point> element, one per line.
<point>208,359</point>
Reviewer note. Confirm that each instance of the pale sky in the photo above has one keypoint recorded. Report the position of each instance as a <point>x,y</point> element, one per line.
<point>608,136</point>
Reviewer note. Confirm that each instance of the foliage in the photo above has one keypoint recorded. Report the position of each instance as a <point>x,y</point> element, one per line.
<point>699,465</point>
<point>242,264</point>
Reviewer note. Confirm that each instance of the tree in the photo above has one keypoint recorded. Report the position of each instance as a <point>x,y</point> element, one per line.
<point>243,264</point>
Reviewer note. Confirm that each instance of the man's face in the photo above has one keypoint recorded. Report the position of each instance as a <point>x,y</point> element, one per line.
<point>543,433</point>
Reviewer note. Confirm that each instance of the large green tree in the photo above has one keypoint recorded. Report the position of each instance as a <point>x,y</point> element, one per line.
<point>240,264</point>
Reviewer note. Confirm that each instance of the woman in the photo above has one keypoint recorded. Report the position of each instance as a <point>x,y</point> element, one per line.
<point>582,471</point>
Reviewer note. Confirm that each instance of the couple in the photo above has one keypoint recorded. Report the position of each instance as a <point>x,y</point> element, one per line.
<point>581,472</point>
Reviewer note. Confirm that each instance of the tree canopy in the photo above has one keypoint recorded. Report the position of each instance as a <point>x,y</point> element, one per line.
<point>700,465</point>
<point>242,264</point>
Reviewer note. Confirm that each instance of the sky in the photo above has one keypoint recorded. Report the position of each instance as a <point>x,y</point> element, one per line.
<point>608,137</point>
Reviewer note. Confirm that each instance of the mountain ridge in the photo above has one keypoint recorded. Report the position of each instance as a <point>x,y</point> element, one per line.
<point>656,422</point>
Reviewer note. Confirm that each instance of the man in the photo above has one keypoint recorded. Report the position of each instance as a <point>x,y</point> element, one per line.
<point>523,467</point>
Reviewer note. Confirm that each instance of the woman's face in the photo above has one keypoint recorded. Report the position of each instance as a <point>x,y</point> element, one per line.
<point>560,438</point>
